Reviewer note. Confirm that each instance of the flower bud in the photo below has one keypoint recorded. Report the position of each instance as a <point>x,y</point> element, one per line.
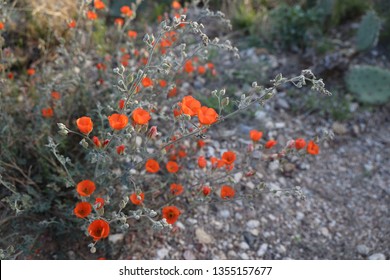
<point>152,133</point>
<point>84,143</point>
<point>225,101</point>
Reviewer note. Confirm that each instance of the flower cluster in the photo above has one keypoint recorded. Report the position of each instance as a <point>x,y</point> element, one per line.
<point>146,155</point>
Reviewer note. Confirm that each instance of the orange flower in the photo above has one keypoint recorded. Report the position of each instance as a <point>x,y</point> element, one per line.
<point>118,121</point>
<point>300,143</point>
<point>176,189</point>
<point>172,167</point>
<point>101,66</point>
<point>172,92</point>
<point>10,76</point>
<point>132,34</point>
<point>96,141</point>
<point>91,15</point>
<point>85,188</point>
<point>134,198</point>
<point>119,21</point>
<point>227,192</point>
<point>176,112</point>
<point>176,5</point>
<point>270,144</point>
<point>99,202</point>
<point>125,10</point>
<point>31,71</point>
<point>255,135</point>
<point>182,153</point>
<point>82,209</point>
<point>47,112</point>
<point>1,25</point>
<point>170,214</point>
<point>201,70</point>
<point>163,83</point>
<point>99,229</point>
<point>147,82</point>
<point>72,24</point>
<point>201,144</point>
<point>206,190</point>
<point>152,166</point>
<point>207,115</point>
<point>121,104</point>
<point>188,67</point>
<point>202,162</point>
<point>189,105</point>
<point>99,5</point>
<point>84,124</point>
<point>210,65</point>
<point>55,95</point>
<point>140,116</point>
<point>312,148</point>
<point>120,149</point>
<point>213,161</point>
<point>228,157</point>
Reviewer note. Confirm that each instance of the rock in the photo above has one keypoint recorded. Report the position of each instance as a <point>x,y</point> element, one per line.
<point>262,250</point>
<point>260,115</point>
<point>238,176</point>
<point>244,246</point>
<point>377,256</point>
<point>280,125</point>
<point>300,216</point>
<point>188,255</point>
<point>249,238</point>
<point>339,128</point>
<point>162,253</point>
<point>282,103</point>
<point>244,256</point>
<point>325,232</point>
<point>114,238</point>
<point>192,221</point>
<point>232,254</point>
<point>203,237</point>
<point>281,249</point>
<point>251,224</point>
<point>224,213</point>
<point>274,165</point>
<point>362,249</point>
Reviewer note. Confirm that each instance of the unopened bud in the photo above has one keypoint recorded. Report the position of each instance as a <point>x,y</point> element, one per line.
<point>152,132</point>
<point>84,143</point>
<point>225,101</point>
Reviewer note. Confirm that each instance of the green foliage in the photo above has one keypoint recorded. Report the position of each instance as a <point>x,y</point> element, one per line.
<point>295,27</point>
<point>368,33</point>
<point>344,10</point>
<point>244,17</point>
<point>370,84</point>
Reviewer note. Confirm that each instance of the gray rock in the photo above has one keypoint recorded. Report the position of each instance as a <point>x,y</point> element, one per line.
<point>232,254</point>
<point>249,238</point>
<point>244,246</point>
<point>224,213</point>
<point>244,256</point>
<point>251,224</point>
<point>114,238</point>
<point>282,103</point>
<point>262,250</point>
<point>203,237</point>
<point>377,256</point>
<point>362,249</point>
<point>188,255</point>
<point>162,253</point>
<point>339,128</point>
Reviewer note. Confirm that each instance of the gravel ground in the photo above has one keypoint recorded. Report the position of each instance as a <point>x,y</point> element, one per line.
<point>345,214</point>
